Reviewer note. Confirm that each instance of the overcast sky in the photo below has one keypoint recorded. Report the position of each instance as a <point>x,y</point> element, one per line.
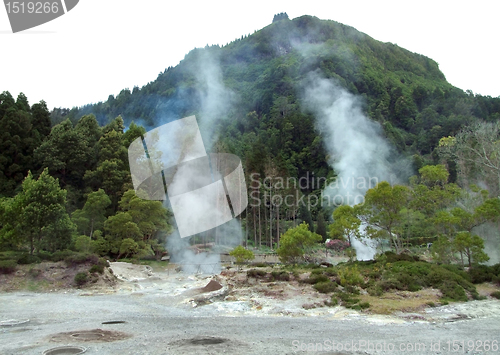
<point>103,46</point>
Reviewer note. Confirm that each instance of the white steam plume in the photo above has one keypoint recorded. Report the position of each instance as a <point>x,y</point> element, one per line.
<point>216,101</point>
<point>358,152</point>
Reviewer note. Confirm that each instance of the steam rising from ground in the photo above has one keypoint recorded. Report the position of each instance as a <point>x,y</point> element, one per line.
<point>358,152</point>
<point>216,101</point>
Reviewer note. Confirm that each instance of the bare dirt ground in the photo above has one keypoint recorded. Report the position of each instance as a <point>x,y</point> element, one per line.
<point>165,312</point>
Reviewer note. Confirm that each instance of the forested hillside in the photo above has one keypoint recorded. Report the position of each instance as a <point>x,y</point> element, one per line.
<point>248,97</point>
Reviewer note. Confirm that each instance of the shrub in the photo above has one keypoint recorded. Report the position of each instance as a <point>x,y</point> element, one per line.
<point>241,254</point>
<point>80,258</point>
<point>61,255</point>
<point>350,276</point>
<point>7,266</point>
<point>314,279</point>
<point>325,286</point>
<point>26,259</point>
<point>259,264</point>
<point>333,302</point>
<point>295,242</point>
<point>495,294</point>
<point>453,292</point>
<point>96,269</point>
<point>280,275</point>
<point>81,278</point>
<point>44,255</point>
<point>375,291</point>
<point>364,305</point>
<point>481,273</point>
<point>256,273</point>
<point>457,270</point>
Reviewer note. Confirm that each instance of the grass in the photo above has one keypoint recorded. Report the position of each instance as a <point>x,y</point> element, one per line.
<point>393,302</point>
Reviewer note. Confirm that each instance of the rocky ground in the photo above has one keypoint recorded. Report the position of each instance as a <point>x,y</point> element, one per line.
<point>165,312</point>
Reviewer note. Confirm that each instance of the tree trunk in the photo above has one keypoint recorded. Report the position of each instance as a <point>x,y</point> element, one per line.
<point>260,230</point>
<point>278,225</point>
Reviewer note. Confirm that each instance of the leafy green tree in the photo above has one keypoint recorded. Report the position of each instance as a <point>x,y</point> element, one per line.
<point>112,172</point>
<point>442,250</point>
<point>295,242</point>
<point>66,153</point>
<point>138,219</point>
<point>382,211</point>
<point>470,246</point>
<point>149,216</point>
<point>16,144</point>
<point>345,225</point>
<point>39,214</point>
<point>475,149</point>
<point>128,247</point>
<point>92,216</point>
<point>40,117</point>
<point>83,244</point>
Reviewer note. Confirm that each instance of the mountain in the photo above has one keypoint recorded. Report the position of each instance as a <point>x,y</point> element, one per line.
<point>254,86</point>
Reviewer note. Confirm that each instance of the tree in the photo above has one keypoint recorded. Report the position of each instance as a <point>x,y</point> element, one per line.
<point>92,216</point>
<point>149,216</point>
<point>16,144</point>
<point>345,225</point>
<point>39,215</point>
<point>382,208</point>
<point>470,246</point>
<point>295,242</point>
<point>66,153</point>
<point>476,151</point>
<point>138,219</point>
<point>321,226</point>
<point>128,247</point>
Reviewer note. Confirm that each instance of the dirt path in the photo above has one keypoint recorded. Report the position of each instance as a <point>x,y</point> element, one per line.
<point>163,314</point>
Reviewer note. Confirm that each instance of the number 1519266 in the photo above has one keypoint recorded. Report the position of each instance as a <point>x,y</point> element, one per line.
<point>22,7</point>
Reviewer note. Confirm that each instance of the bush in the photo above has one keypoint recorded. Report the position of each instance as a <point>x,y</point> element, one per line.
<point>44,255</point>
<point>457,270</point>
<point>280,275</point>
<point>61,255</point>
<point>259,265</point>
<point>241,254</point>
<point>482,273</point>
<point>295,242</point>
<point>256,273</point>
<point>375,291</point>
<point>325,286</point>
<point>80,258</point>
<point>392,257</point>
<point>81,278</point>
<point>96,269</point>
<point>26,259</point>
<point>314,279</point>
<point>7,266</point>
<point>452,291</point>
<point>350,276</point>
<point>495,294</point>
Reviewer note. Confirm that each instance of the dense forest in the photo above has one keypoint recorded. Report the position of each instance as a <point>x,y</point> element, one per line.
<point>65,181</point>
